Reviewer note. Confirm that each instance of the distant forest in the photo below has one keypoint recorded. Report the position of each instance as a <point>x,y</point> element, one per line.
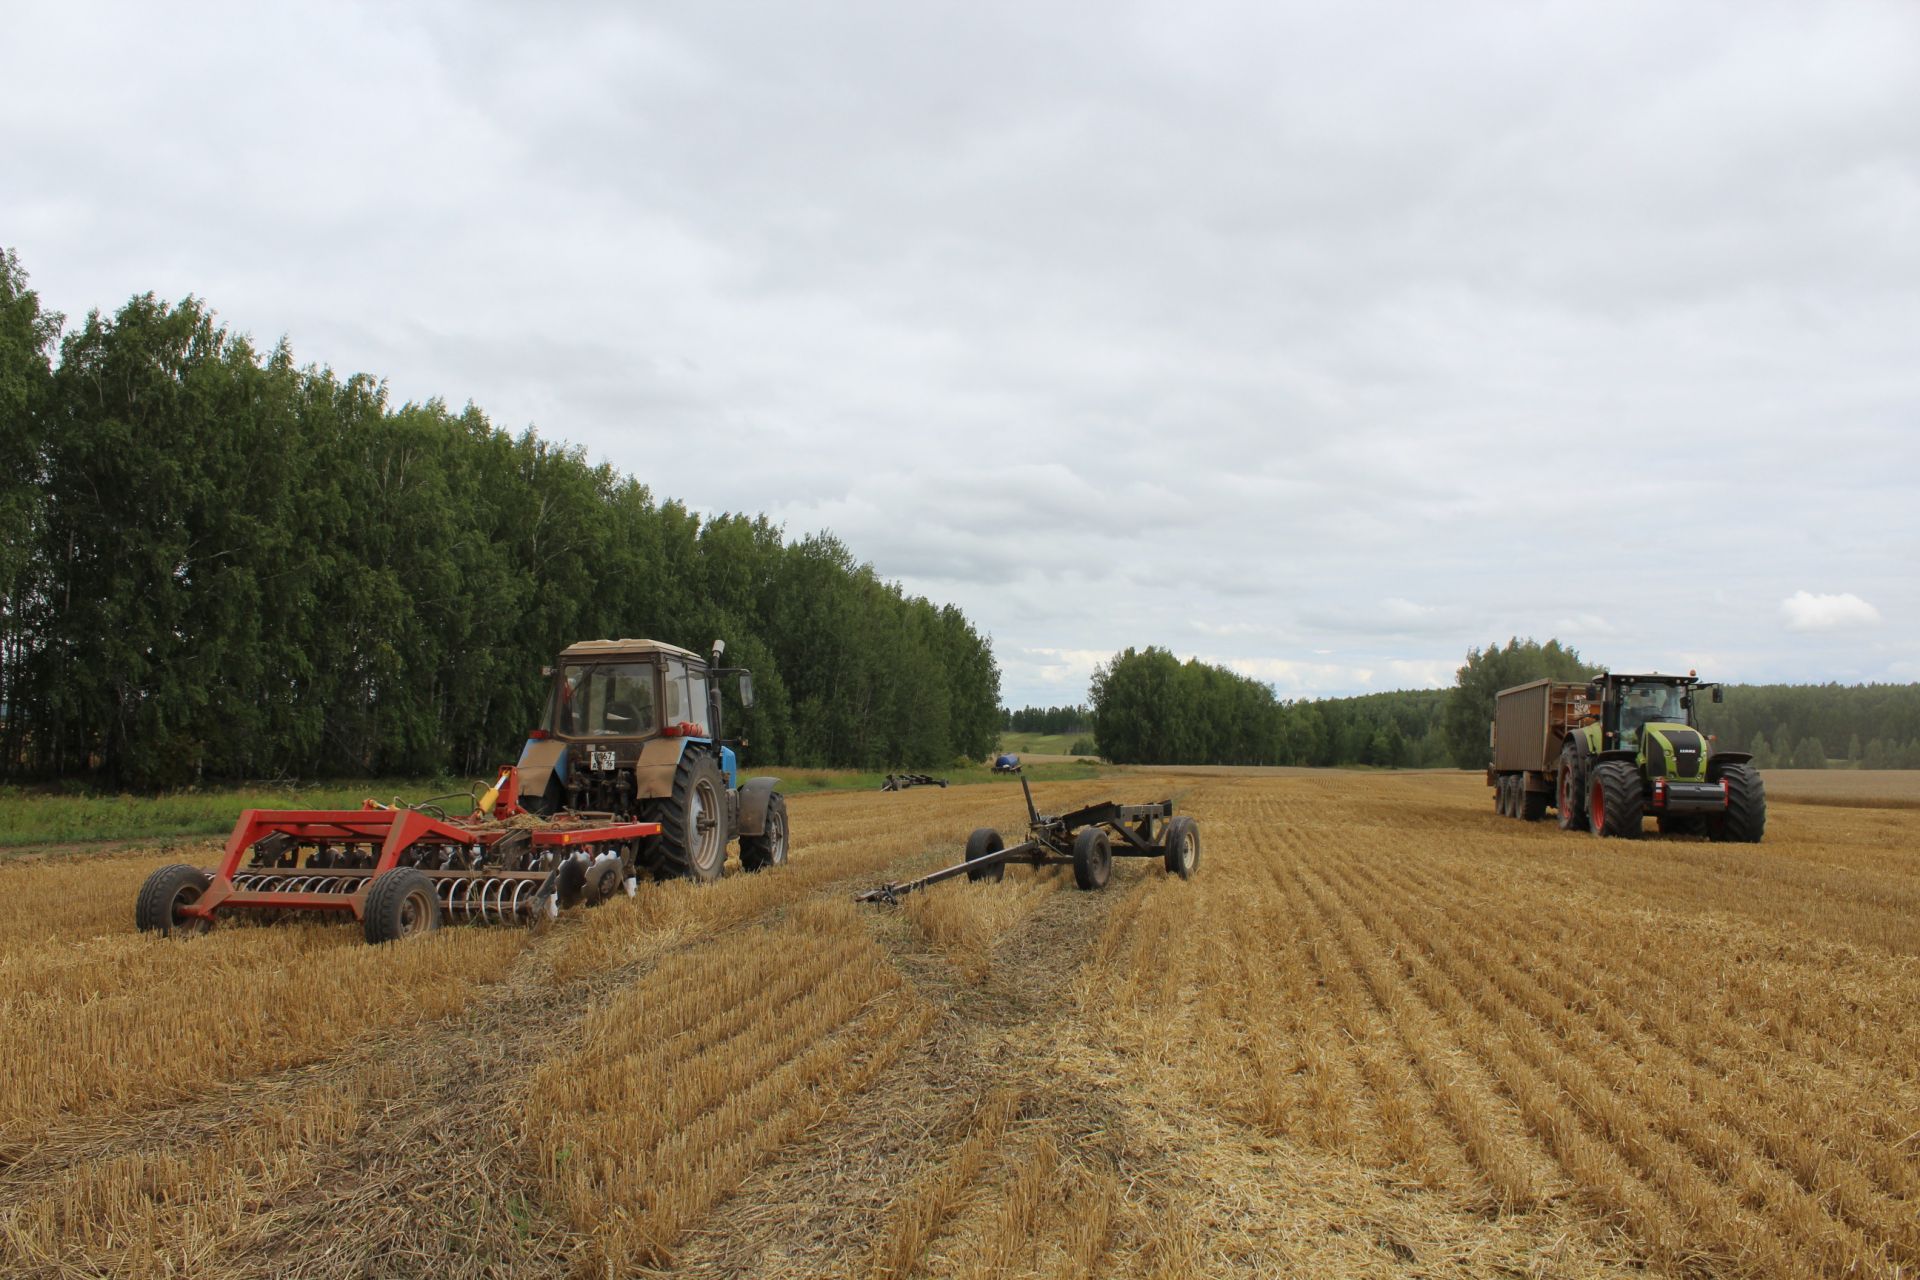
<point>1148,707</point>
<point>218,564</point>
<point>1046,720</point>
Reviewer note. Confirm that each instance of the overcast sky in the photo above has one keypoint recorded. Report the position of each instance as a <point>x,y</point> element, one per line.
<point>1323,342</point>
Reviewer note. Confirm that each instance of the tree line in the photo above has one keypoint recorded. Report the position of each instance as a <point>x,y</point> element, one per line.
<point>1148,707</point>
<point>1074,719</point>
<point>216,563</point>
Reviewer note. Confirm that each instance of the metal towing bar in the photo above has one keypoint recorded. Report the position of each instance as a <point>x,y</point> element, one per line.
<point>1087,839</point>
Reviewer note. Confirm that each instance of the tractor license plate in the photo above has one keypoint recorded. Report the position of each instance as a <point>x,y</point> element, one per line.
<point>600,761</point>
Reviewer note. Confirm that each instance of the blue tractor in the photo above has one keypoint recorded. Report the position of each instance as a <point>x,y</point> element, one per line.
<point>632,729</point>
<point>1006,762</point>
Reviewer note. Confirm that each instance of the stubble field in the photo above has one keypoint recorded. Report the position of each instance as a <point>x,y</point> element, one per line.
<point>1383,1032</point>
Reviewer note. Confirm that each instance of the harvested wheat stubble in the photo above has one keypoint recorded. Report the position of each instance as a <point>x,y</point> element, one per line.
<point>1383,1033</point>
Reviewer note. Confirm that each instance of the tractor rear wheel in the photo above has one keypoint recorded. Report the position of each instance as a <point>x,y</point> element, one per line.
<point>1746,818</point>
<point>1183,847</point>
<point>1614,801</point>
<point>769,848</point>
<point>693,825</point>
<point>1092,859</point>
<point>400,903</point>
<point>1567,793</point>
<point>157,910</point>
<point>985,841</point>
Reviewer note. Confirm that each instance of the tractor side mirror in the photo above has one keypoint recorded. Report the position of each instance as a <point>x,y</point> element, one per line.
<point>1719,694</point>
<point>546,671</point>
<point>746,689</point>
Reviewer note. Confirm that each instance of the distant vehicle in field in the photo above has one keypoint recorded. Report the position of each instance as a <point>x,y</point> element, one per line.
<point>1006,762</point>
<point>1607,753</point>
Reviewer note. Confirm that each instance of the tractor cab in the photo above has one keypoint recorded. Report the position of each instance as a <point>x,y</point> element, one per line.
<point>1652,719</point>
<point>620,716</point>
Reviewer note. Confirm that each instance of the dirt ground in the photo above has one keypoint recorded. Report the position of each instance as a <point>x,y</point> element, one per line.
<point>1382,1032</point>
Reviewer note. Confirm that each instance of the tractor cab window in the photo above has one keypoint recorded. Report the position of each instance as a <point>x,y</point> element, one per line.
<point>673,687</point>
<point>607,700</point>
<point>1647,702</point>
<point>697,710</point>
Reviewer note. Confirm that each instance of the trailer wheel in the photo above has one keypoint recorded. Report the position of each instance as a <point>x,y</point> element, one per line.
<point>1614,802</point>
<point>982,842</point>
<point>400,903</point>
<point>1533,804</point>
<point>693,828</point>
<point>1092,859</point>
<point>1746,817</point>
<point>1567,793</point>
<point>769,848</point>
<point>1183,847</point>
<point>157,909</point>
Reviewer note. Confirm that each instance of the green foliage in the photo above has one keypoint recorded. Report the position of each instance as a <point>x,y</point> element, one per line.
<point>1075,719</point>
<point>1150,708</point>
<point>225,566</point>
<point>1774,721</point>
<point>1489,670</point>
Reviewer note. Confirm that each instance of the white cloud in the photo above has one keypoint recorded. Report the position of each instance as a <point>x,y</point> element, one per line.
<point>1067,340</point>
<point>1805,611</point>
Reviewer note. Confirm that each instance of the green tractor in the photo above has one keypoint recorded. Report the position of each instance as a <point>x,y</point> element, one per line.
<point>1642,752</point>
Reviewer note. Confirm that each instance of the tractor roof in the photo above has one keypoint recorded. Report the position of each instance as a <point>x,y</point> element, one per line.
<point>624,649</point>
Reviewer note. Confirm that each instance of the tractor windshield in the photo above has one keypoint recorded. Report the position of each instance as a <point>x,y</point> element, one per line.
<point>1644,702</point>
<point>607,700</point>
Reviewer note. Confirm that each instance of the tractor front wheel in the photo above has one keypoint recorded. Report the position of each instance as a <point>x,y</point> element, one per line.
<point>1092,859</point>
<point>400,903</point>
<point>1746,817</point>
<point>1183,847</point>
<point>769,848</point>
<point>157,910</point>
<point>693,828</point>
<point>1614,801</point>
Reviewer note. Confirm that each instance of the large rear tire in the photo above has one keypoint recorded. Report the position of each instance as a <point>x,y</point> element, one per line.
<point>1183,847</point>
<point>1746,818</point>
<point>1615,804</point>
<point>769,848</point>
<point>984,841</point>
<point>157,909</point>
<point>400,903</point>
<point>1092,859</point>
<point>693,826</point>
<point>1567,793</point>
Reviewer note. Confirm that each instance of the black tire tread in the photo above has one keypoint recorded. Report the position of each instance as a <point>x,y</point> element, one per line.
<point>761,851</point>
<point>1092,859</point>
<point>385,895</point>
<point>153,909</point>
<point>1621,788</point>
<point>672,855</point>
<point>1182,829</point>
<point>1746,820</point>
<point>983,841</point>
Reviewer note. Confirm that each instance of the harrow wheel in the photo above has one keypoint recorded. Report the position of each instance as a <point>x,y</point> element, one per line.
<point>1183,847</point>
<point>1092,859</point>
<point>400,903</point>
<point>769,848</point>
<point>157,910</point>
<point>982,842</point>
